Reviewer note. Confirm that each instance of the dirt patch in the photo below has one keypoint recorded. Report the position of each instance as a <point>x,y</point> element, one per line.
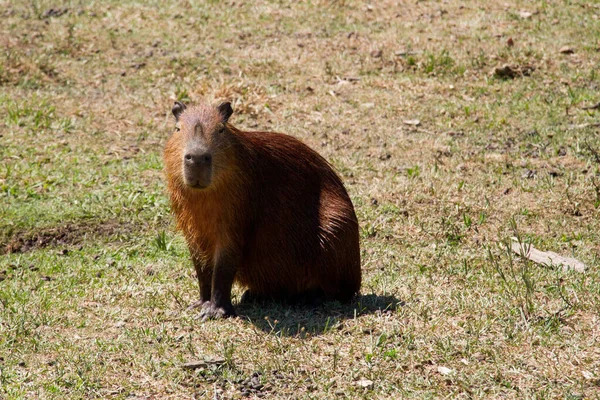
<point>70,234</point>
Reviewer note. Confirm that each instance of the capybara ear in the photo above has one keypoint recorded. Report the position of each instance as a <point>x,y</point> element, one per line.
<point>225,110</point>
<point>177,109</point>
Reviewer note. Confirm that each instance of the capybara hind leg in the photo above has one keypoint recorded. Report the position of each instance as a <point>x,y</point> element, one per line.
<point>342,278</point>
<point>309,298</point>
<point>342,289</point>
<point>251,297</point>
<point>346,293</point>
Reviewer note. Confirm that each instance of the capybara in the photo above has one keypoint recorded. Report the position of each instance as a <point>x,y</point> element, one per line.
<point>261,209</point>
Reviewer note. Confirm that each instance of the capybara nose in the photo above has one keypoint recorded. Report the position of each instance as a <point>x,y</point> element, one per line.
<point>197,159</point>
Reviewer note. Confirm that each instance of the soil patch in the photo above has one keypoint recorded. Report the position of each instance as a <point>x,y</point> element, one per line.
<point>72,233</point>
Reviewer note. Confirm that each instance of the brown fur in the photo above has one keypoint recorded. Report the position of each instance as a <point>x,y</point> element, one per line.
<point>275,216</point>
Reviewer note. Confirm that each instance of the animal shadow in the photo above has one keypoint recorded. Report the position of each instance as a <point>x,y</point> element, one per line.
<point>302,321</point>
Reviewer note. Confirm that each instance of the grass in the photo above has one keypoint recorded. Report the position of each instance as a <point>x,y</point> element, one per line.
<point>95,282</point>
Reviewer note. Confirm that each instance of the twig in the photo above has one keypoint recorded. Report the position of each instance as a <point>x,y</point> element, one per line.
<point>590,125</point>
<point>594,107</point>
<point>177,298</point>
<point>593,151</point>
<point>548,258</point>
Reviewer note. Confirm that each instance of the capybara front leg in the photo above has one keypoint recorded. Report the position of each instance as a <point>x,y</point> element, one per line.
<point>223,275</point>
<point>204,275</point>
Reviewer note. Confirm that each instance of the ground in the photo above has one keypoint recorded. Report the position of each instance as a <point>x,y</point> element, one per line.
<point>455,126</point>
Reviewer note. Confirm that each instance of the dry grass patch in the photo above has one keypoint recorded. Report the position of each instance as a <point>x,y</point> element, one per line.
<point>443,158</point>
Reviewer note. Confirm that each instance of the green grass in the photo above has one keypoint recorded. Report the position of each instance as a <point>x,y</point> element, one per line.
<point>95,282</point>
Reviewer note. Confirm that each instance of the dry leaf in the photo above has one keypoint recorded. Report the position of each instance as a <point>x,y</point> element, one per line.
<point>508,71</point>
<point>525,14</point>
<point>366,383</point>
<point>444,370</point>
<point>566,50</point>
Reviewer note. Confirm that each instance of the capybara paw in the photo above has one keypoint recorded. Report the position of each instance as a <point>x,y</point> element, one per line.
<point>212,311</point>
<point>197,304</point>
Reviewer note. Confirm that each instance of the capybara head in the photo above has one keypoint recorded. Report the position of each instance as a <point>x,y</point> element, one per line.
<point>200,143</point>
